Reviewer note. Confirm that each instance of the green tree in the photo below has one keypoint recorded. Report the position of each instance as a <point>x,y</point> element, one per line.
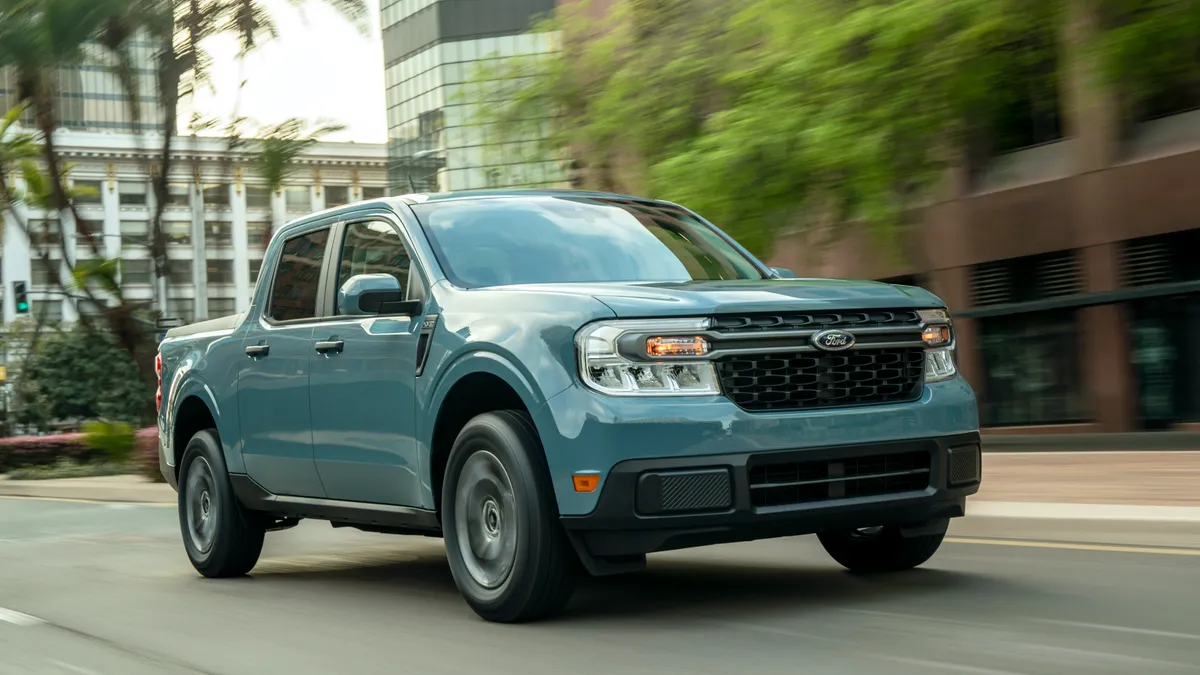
<point>767,115</point>
<point>275,150</point>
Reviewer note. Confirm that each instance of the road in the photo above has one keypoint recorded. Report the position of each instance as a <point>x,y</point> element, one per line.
<point>105,589</point>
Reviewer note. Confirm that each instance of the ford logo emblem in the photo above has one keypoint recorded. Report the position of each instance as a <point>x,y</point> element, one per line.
<point>833,340</point>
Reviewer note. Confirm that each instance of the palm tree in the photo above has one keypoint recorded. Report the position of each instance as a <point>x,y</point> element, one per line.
<point>278,147</point>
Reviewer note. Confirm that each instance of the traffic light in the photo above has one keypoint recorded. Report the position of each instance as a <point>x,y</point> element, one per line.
<point>21,297</point>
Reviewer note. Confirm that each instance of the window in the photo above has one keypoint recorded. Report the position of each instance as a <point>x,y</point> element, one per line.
<point>1031,369</point>
<point>179,194</point>
<point>373,248</point>
<point>374,193</point>
<point>534,240</point>
<point>255,268</point>
<point>51,308</point>
<point>220,307</point>
<point>216,194</point>
<point>336,195</point>
<point>178,231</point>
<point>181,308</point>
<point>43,275</point>
<point>297,198</point>
<point>88,191</point>
<point>135,233</point>
<point>294,294</point>
<point>45,233</point>
<point>180,273</point>
<point>132,194</point>
<point>258,234</point>
<point>85,227</point>
<point>218,233</point>
<point>220,271</point>
<point>258,197</point>
<point>135,272</point>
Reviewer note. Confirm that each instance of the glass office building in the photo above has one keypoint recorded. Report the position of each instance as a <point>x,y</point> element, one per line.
<point>434,51</point>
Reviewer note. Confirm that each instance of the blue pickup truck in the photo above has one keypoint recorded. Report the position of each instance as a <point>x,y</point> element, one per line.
<point>558,383</point>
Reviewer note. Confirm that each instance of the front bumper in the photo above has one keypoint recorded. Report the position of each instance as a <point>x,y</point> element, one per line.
<point>662,504</point>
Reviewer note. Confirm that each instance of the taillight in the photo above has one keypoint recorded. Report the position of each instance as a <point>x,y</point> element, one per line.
<point>158,373</point>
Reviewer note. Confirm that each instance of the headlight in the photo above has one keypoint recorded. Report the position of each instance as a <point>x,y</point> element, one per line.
<point>937,332</point>
<point>646,358</point>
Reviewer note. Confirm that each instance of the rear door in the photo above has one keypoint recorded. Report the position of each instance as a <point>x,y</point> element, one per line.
<point>273,380</point>
<point>362,394</point>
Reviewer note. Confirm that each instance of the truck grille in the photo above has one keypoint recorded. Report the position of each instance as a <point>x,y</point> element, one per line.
<point>784,483</point>
<point>752,323</point>
<point>806,380</point>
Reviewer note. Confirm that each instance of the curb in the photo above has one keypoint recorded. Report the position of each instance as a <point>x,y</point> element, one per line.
<point>148,493</point>
<point>1058,511</point>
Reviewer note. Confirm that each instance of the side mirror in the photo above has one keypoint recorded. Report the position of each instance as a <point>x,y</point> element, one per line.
<point>783,273</point>
<point>372,294</point>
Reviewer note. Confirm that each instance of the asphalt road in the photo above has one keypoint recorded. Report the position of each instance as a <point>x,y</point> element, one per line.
<point>105,589</point>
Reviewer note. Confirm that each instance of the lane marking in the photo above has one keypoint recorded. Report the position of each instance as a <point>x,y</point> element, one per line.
<point>18,618</point>
<point>73,668</point>
<point>1107,548</point>
<point>1122,629</point>
<point>937,665</point>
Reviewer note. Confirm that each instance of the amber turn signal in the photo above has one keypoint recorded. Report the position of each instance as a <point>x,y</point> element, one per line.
<point>936,336</point>
<point>676,346</point>
<point>587,482</point>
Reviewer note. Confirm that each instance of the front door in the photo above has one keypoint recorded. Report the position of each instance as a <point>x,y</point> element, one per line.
<point>362,398</point>
<point>273,379</point>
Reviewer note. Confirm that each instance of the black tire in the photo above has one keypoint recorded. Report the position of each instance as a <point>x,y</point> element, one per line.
<point>884,550</point>
<point>534,570</point>
<point>232,546</point>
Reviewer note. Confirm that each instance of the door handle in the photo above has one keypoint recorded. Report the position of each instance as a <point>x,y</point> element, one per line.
<point>254,351</point>
<point>326,346</point>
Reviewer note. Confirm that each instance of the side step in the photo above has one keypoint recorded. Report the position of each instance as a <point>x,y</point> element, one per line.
<point>363,515</point>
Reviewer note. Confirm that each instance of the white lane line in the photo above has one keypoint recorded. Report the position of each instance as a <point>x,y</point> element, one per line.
<point>1064,511</point>
<point>1121,629</point>
<point>73,668</point>
<point>937,665</point>
<point>18,619</point>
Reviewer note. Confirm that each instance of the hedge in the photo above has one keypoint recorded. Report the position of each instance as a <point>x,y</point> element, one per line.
<point>24,451</point>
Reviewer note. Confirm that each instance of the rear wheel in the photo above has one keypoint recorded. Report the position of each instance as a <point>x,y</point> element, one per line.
<point>880,549</point>
<point>508,553</point>
<point>220,538</point>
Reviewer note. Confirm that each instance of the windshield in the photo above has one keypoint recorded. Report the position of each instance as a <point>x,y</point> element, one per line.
<point>537,240</point>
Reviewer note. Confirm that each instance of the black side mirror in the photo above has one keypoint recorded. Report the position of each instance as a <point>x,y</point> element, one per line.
<point>387,302</point>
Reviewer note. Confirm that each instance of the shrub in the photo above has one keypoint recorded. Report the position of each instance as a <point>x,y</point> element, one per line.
<point>22,451</point>
<point>145,453</point>
<point>112,439</point>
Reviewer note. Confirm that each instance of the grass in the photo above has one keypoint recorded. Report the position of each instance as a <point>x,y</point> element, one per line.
<point>69,469</point>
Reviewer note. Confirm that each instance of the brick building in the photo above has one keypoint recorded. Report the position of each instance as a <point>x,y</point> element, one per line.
<point>1072,264</point>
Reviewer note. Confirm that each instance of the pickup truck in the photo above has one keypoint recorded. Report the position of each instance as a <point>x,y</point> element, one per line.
<point>558,383</point>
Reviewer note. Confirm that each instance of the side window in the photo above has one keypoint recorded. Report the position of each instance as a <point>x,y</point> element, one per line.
<point>298,277</point>
<point>374,247</point>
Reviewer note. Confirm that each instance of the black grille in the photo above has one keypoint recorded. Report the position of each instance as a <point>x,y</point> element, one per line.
<point>963,465</point>
<point>684,491</point>
<point>750,323</point>
<point>804,380</point>
<point>784,483</point>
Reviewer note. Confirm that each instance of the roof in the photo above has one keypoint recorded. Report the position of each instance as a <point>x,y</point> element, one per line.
<point>513,192</point>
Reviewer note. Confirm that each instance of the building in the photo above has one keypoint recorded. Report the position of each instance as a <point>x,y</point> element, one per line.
<point>219,218</point>
<point>1072,265</point>
<point>433,53</point>
<point>90,96</point>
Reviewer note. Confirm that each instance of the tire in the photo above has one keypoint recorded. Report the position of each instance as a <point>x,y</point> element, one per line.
<point>881,550</point>
<point>508,553</point>
<point>221,541</point>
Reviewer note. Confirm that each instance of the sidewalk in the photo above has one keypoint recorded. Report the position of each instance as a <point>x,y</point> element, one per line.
<point>1042,482</point>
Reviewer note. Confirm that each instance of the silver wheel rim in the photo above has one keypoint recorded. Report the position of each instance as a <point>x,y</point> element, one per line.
<point>484,519</point>
<point>201,507</point>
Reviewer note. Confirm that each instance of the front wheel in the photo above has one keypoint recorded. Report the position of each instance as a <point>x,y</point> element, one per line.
<point>220,539</point>
<point>508,553</point>
<point>880,549</point>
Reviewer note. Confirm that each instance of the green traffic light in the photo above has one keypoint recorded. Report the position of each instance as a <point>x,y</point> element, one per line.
<point>22,306</point>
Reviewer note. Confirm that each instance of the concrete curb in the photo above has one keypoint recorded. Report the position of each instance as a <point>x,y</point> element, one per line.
<point>1056,511</point>
<point>1120,442</point>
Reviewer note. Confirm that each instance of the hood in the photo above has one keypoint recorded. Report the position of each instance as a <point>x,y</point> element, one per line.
<point>703,298</point>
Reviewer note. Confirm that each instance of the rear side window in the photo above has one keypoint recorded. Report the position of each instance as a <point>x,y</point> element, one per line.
<point>298,277</point>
